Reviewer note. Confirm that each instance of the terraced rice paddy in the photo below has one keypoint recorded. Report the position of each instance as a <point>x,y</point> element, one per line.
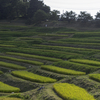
<point>1,72</point>
<point>53,35</point>
<point>10,65</point>
<point>72,92</point>
<point>22,60</point>
<point>35,61</point>
<point>86,61</point>
<point>33,77</point>
<point>34,56</point>
<point>7,88</point>
<point>62,70</point>
<point>76,66</point>
<point>10,98</point>
<point>95,77</point>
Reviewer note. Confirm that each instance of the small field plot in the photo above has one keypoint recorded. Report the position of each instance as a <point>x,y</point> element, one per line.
<point>7,78</point>
<point>44,52</point>
<point>34,56</point>
<point>62,70</point>
<point>53,53</point>
<point>48,74</point>
<point>59,54</point>
<point>72,92</point>
<point>95,77</point>
<point>70,50</point>
<point>10,65</point>
<point>82,40</point>
<point>1,72</point>
<point>22,60</point>
<point>33,77</point>
<point>4,45</point>
<point>52,36</point>
<point>76,66</point>
<point>8,98</point>
<point>76,43</point>
<point>86,61</point>
<point>7,88</point>
<point>86,34</point>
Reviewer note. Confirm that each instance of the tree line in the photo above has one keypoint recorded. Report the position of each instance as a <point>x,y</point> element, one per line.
<point>84,18</point>
<point>12,9</point>
<point>35,11</point>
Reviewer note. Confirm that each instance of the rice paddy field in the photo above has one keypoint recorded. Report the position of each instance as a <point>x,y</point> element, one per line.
<point>41,63</point>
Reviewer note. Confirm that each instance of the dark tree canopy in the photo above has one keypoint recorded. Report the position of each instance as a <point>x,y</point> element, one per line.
<point>84,16</point>
<point>10,9</point>
<point>40,16</point>
<point>36,5</point>
<point>68,16</point>
<point>34,9</point>
<point>54,15</point>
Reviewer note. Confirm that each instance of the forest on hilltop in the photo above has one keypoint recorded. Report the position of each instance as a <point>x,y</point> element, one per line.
<point>35,11</point>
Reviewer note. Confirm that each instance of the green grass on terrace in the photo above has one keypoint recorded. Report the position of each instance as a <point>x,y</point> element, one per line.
<point>1,72</point>
<point>7,88</point>
<point>43,52</point>
<point>72,92</point>
<point>33,56</point>
<point>75,43</point>
<point>22,60</point>
<point>77,66</point>
<point>81,40</point>
<point>61,70</point>
<point>95,77</point>
<point>33,77</point>
<point>10,65</point>
<point>8,98</point>
<point>53,35</point>
<point>69,50</point>
<point>86,61</point>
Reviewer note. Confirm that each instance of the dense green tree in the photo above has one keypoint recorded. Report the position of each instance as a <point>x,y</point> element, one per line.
<point>40,16</point>
<point>36,5</point>
<point>68,16</point>
<point>97,19</point>
<point>46,8</point>
<point>33,7</point>
<point>22,9</point>
<point>97,16</point>
<point>54,15</point>
<point>10,9</point>
<point>84,17</point>
<point>4,6</point>
<point>37,11</point>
